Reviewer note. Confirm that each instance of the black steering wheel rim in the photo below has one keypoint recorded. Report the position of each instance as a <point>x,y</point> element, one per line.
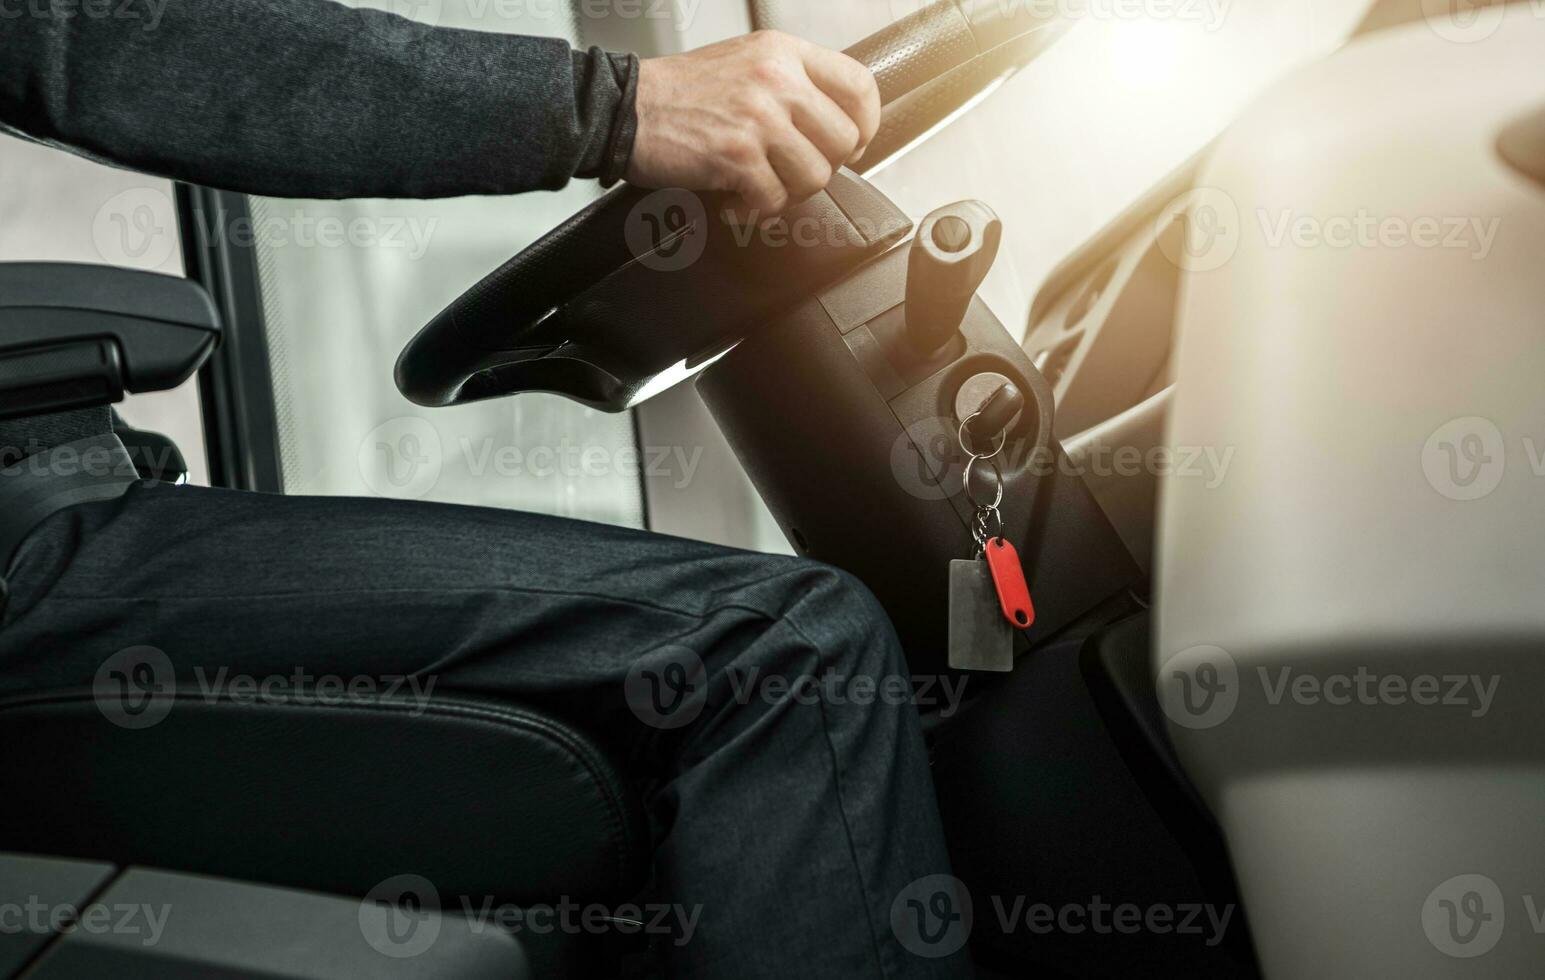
<point>521,328</point>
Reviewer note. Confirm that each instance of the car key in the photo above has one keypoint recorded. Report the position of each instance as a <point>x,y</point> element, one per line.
<point>981,635</point>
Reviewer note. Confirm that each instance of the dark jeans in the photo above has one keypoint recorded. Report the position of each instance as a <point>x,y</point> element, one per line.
<point>794,824</point>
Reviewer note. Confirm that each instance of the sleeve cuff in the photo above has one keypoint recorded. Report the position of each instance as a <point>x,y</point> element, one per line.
<point>619,144</point>
<point>606,92</point>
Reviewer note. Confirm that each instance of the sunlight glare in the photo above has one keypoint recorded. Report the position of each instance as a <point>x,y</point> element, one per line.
<point>1148,54</point>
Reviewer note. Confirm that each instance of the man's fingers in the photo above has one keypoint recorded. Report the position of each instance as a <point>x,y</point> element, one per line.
<point>759,194</point>
<point>802,168</point>
<point>711,118</point>
<point>825,124</point>
<point>849,84</point>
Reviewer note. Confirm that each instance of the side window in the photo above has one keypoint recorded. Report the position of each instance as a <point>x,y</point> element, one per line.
<point>344,286</point>
<point>55,207</point>
<point>341,286</point>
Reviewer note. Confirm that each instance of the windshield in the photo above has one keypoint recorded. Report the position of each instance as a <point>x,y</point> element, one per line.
<point>1133,91</point>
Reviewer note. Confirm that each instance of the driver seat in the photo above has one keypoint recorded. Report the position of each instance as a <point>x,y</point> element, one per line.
<point>457,803</point>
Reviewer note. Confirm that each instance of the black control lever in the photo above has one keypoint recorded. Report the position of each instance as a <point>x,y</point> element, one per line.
<point>954,248</point>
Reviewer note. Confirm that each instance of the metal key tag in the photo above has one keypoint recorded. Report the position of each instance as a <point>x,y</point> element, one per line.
<point>981,638</point>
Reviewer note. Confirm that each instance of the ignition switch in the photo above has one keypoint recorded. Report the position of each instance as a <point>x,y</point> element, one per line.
<point>993,404</point>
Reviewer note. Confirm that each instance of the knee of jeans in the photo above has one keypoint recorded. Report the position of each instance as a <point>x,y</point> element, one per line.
<point>844,619</point>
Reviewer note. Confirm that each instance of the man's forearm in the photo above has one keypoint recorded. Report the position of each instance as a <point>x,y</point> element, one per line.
<point>309,98</point>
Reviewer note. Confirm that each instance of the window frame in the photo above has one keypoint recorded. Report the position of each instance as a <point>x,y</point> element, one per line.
<point>235,386</point>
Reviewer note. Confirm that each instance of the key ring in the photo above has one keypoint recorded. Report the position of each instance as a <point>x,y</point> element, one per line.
<point>997,483</point>
<point>980,530</point>
<point>960,435</point>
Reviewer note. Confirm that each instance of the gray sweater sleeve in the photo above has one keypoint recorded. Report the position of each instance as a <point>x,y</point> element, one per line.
<point>309,98</point>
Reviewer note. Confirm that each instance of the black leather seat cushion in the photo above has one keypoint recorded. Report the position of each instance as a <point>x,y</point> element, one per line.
<point>484,800</point>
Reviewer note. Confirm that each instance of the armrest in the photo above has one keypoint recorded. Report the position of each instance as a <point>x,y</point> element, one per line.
<point>49,882</point>
<point>484,800</point>
<point>73,336</point>
<point>140,923</point>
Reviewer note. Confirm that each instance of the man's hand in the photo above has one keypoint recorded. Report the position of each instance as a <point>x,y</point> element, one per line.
<point>768,117</point>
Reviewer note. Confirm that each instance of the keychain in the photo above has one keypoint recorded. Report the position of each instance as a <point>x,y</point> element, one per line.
<point>989,597</point>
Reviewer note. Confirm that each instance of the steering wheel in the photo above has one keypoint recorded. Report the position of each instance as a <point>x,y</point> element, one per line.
<point>640,281</point>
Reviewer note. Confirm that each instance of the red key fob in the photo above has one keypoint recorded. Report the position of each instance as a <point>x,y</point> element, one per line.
<point>1008,577</point>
